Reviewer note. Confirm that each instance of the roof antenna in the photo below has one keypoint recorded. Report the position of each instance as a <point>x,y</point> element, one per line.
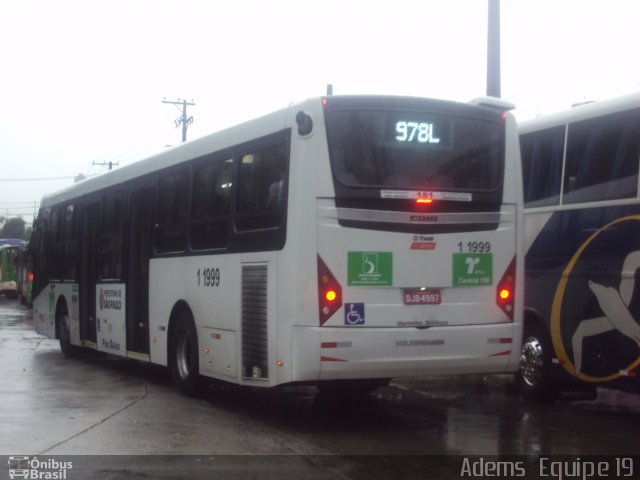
<point>329,89</point>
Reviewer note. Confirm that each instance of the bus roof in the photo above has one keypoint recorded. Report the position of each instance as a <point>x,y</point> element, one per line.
<point>11,242</point>
<point>580,112</point>
<point>172,156</point>
<point>228,138</point>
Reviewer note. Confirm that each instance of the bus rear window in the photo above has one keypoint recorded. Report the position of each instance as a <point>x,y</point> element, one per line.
<point>415,150</point>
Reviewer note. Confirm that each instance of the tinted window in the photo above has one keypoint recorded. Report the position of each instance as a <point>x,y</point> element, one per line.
<point>542,154</point>
<point>602,158</point>
<point>111,255</point>
<point>415,150</point>
<point>172,213</point>
<point>211,205</point>
<point>262,188</point>
<point>70,242</point>
<point>40,245</point>
<point>56,245</point>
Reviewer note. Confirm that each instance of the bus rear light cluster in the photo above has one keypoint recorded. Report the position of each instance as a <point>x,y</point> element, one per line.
<point>329,292</point>
<point>505,292</point>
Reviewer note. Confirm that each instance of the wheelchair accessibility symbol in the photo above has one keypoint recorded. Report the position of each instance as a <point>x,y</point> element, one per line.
<point>354,314</point>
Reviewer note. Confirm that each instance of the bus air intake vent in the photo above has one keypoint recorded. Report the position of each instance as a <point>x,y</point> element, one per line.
<point>254,322</point>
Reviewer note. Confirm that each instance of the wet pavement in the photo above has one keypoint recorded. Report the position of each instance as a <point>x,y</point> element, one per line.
<point>97,405</point>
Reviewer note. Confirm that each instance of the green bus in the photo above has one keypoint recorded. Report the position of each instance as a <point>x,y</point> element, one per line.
<point>25,275</point>
<point>9,254</point>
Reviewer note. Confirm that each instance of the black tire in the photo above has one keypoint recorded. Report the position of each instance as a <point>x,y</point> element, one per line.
<point>533,378</point>
<point>184,363</point>
<point>63,325</point>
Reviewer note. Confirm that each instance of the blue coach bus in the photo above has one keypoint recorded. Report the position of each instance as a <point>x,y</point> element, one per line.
<point>582,243</point>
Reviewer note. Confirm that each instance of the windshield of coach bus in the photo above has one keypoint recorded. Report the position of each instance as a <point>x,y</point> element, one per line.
<point>415,150</point>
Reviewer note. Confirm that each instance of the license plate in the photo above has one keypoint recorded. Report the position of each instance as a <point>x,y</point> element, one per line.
<point>422,297</point>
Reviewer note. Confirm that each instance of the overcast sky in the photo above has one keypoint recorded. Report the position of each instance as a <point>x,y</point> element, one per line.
<point>83,81</point>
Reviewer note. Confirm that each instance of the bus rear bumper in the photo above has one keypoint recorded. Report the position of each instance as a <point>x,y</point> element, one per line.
<point>349,353</point>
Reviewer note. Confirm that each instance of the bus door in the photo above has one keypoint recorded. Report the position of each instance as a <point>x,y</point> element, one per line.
<point>140,231</point>
<point>89,271</point>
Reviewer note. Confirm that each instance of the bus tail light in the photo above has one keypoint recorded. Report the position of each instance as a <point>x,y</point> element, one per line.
<point>329,292</point>
<point>505,292</point>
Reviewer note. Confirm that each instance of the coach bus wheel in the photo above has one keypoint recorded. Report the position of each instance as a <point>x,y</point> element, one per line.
<point>533,377</point>
<point>184,356</point>
<point>64,335</point>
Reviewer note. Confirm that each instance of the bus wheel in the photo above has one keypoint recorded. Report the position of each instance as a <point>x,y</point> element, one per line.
<point>533,377</point>
<point>64,335</point>
<point>184,356</point>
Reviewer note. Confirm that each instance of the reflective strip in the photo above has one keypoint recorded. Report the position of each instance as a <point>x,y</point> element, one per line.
<point>419,218</point>
<point>331,359</point>
<point>336,344</point>
<point>501,354</point>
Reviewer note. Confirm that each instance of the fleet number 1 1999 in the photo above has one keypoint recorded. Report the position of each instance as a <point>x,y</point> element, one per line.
<point>208,277</point>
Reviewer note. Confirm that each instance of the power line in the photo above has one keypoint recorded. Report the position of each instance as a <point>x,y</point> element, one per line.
<point>34,179</point>
<point>16,210</point>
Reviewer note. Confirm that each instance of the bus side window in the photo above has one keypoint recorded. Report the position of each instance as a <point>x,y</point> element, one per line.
<point>41,240</point>
<point>70,259</point>
<point>13,257</point>
<point>111,240</point>
<point>262,189</point>
<point>172,213</point>
<point>211,205</point>
<point>602,158</point>
<point>542,166</point>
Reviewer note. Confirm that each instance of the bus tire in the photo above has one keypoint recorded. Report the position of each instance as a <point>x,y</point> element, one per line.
<point>533,378</point>
<point>63,326</point>
<point>184,362</point>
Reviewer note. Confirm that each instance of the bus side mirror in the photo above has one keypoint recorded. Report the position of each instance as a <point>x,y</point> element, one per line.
<point>305,124</point>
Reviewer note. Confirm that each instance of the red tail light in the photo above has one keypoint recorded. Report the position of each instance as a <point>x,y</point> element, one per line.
<point>505,292</point>
<point>329,292</point>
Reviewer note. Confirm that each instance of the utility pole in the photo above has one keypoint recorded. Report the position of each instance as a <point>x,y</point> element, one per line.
<point>106,164</point>
<point>493,49</point>
<point>183,120</point>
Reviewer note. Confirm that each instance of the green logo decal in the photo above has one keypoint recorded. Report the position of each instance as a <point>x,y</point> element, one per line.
<point>472,269</point>
<point>370,268</point>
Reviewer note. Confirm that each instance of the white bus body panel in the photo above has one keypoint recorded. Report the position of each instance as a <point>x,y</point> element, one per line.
<point>44,310</point>
<point>466,333</point>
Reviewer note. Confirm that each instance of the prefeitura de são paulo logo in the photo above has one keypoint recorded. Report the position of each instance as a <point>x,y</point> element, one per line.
<point>595,315</point>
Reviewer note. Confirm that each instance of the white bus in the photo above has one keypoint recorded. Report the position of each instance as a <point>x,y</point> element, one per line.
<point>342,239</point>
<point>582,241</point>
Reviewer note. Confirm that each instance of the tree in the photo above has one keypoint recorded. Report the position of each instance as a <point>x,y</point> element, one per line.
<point>15,228</point>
